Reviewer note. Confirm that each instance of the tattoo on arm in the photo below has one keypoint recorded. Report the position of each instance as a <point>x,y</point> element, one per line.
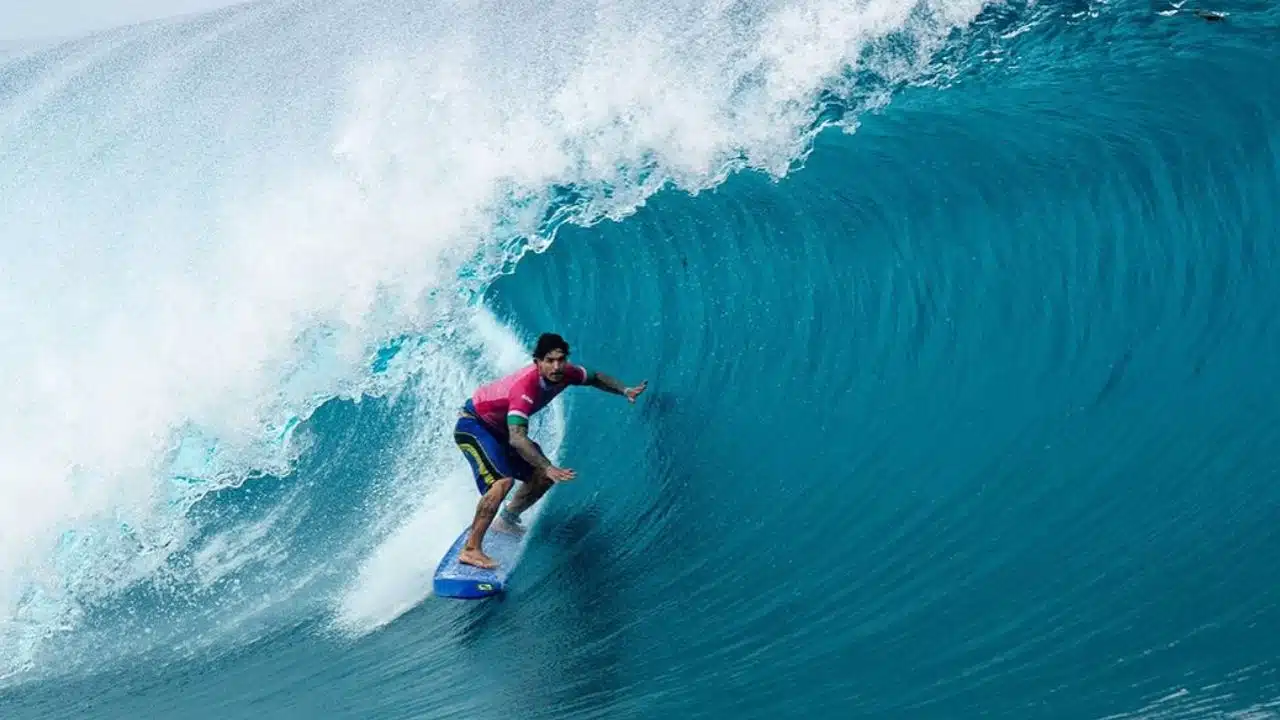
<point>523,445</point>
<point>608,384</point>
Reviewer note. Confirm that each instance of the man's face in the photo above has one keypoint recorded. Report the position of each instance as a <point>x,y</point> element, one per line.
<point>551,366</point>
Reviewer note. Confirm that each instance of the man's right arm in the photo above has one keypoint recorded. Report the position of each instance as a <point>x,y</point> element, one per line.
<point>519,408</point>
<point>519,438</point>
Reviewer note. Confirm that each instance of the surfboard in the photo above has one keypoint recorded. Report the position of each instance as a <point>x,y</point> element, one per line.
<point>453,579</point>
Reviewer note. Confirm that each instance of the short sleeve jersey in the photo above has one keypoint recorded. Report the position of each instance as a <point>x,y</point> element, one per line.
<point>521,394</point>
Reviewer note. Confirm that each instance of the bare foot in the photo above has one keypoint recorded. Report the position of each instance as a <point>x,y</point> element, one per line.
<point>476,558</point>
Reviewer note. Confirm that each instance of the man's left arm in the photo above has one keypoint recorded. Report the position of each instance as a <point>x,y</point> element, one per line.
<point>609,384</point>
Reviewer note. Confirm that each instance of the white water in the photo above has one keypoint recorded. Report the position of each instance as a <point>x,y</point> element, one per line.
<point>210,225</point>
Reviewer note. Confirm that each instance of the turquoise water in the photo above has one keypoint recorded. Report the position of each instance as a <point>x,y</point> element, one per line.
<point>959,323</point>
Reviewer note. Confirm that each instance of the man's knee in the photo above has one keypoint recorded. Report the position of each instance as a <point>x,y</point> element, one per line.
<point>497,491</point>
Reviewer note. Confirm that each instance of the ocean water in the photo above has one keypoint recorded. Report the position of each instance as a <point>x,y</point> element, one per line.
<point>959,321</point>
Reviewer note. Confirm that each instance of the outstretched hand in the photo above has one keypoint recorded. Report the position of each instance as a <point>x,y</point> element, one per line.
<point>634,392</point>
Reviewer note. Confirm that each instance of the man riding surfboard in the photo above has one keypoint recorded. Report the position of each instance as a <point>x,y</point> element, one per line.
<point>492,432</point>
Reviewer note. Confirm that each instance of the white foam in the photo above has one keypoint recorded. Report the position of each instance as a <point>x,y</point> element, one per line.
<point>211,252</point>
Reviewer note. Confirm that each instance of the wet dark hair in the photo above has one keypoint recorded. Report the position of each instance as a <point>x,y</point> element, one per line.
<point>548,342</point>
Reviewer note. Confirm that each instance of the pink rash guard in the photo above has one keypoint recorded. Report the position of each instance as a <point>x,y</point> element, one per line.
<point>518,395</point>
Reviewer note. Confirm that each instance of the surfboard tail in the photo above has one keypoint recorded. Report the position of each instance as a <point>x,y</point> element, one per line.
<point>456,580</point>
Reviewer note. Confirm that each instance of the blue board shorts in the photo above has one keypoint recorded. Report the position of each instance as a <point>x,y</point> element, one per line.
<point>490,457</point>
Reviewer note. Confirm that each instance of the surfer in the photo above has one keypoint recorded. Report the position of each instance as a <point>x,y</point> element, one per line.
<point>492,432</point>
